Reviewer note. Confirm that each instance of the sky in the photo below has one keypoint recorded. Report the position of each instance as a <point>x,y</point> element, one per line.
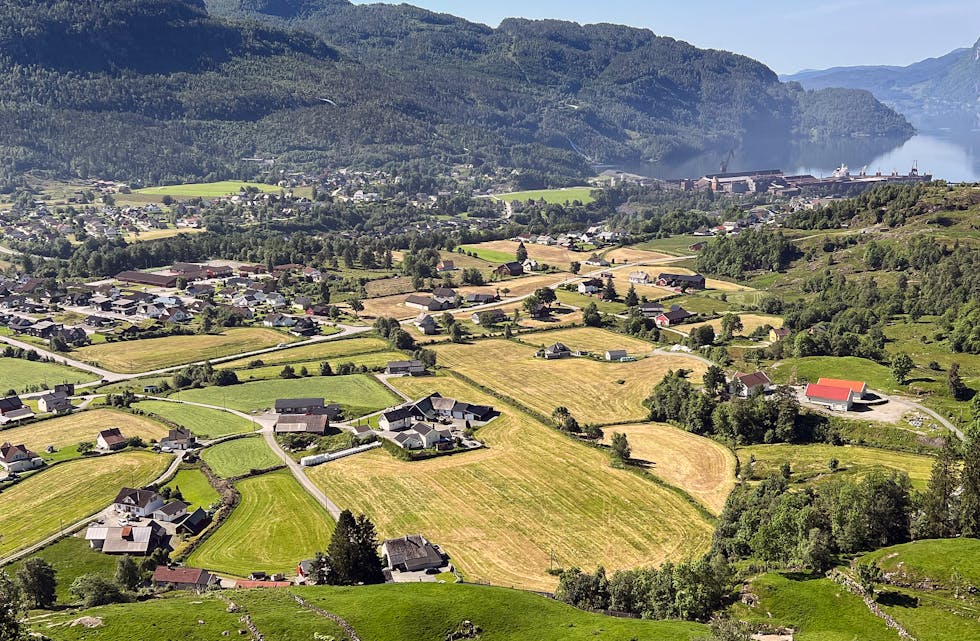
<point>787,36</point>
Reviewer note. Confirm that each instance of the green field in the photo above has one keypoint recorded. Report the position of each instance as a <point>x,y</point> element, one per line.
<point>195,489</point>
<point>809,462</point>
<point>358,394</point>
<point>581,300</point>
<point>372,360</point>
<point>817,608</point>
<point>559,196</point>
<point>411,612</point>
<point>206,190</point>
<point>240,456</point>
<point>133,357</point>
<point>276,525</point>
<point>811,368</point>
<point>19,374</point>
<point>328,350</point>
<point>490,255</point>
<point>936,560</point>
<point>204,422</point>
<point>44,502</point>
<point>71,558</point>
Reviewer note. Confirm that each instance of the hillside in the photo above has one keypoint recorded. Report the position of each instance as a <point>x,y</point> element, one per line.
<point>159,90</point>
<point>937,92</point>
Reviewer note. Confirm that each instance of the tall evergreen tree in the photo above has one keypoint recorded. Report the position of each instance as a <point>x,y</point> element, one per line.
<point>37,582</point>
<point>939,517</point>
<point>970,482</point>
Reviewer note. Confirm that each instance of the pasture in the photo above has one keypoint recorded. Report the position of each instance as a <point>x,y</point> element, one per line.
<point>41,504</point>
<point>71,557</point>
<point>327,350</point>
<point>536,491</point>
<point>276,525</point>
<point>809,462</point>
<point>157,234</point>
<point>594,392</point>
<point>517,286</point>
<point>206,190</point>
<point>551,196</point>
<point>632,255</point>
<point>675,245</point>
<point>388,307</point>
<point>358,394</point>
<point>131,357</point>
<point>66,432</point>
<point>590,339</point>
<point>750,323</point>
<point>811,368</point>
<point>240,456</point>
<point>194,487</point>
<point>701,467</point>
<point>20,374</point>
<point>372,360</point>
<point>583,300</point>
<point>204,422</point>
<point>502,251</point>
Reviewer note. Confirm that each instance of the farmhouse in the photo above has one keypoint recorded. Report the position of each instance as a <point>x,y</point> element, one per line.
<point>409,368</point>
<point>13,409</point>
<point>137,502</point>
<point>412,553</point>
<point>836,398</point>
<point>615,354</point>
<point>304,327</point>
<point>436,406</point>
<point>640,278</point>
<point>399,418</point>
<point>138,540</point>
<point>651,310</point>
<point>427,303</point>
<point>746,385</point>
<point>512,268</point>
<point>591,286</point>
<point>674,316</point>
<point>110,439</point>
<point>558,350</point>
<point>595,261</point>
<point>278,320</point>
<point>194,523</point>
<point>480,298</point>
<point>492,316</point>
<point>55,402</point>
<point>302,423</point>
<point>410,440</point>
<point>17,458</point>
<point>860,388</point>
<point>445,266</point>
<point>182,578</point>
<point>300,406</point>
<point>426,324</point>
<point>144,278</point>
<point>171,512</point>
<point>777,334</point>
<point>681,281</point>
<point>180,438</point>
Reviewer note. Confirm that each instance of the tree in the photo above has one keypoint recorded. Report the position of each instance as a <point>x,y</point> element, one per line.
<point>37,581</point>
<point>95,590</point>
<point>727,630</point>
<point>714,379</point>
<point>427,356</point>
<point>85,447</point>
<point>356,304</point>
<point>545,295</point>
<point>631,299</point>
<point>939,504</point>
<point>970,482</point>
<point>730,323</point>
<point>575,266</point>
<point>487,318</point>
<point>521,253</point>
<point>902,365</point>
<point>456,333</point>
<point>869,575</point>
<point>621,446</point>
<point>402,340</point>
<point>702,335</point>
<point>10,610</point>
<point>531,303</point>
<point>287,372</point>
<point>591,316</point>
<point>353,552</point>
<point>128,573</point>
<point>954,383</point>
<point>609,291</point>
<point>593,432</point>
<point>326,369</point>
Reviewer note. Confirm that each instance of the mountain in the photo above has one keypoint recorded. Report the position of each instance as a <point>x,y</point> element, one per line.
<point>164,90</point>
<point>937,92</point>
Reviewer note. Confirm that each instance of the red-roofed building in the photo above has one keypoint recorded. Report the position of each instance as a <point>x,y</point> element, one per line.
<point>183,578</point>
<point>836,398</point>
<point>860,388</point>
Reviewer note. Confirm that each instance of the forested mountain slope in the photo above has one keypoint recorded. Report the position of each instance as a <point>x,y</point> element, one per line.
<point>160,90</point>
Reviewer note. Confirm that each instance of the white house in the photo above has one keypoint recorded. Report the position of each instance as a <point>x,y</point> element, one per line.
<point>137,502</point>
<point>399,418</point>
<point>17,458</point>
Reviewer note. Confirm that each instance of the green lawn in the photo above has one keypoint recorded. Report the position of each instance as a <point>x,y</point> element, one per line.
<point>817,608</point>
<point>206,190</point>
<point>490,255</point>
<point>372,360</point>
<point>358,394</point>
<point>559,196</point>
<point>204,422</point>
<point>936,560</point>
<point>71,558</point>
<point>411,612</point>
<point>581,300</point>
<point>240,456</point>
<point>195,489</point>
<point>276,525</point>
<point>19,374</point>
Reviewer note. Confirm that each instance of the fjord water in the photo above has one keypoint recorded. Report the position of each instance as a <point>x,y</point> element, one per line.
<point>947,154</point>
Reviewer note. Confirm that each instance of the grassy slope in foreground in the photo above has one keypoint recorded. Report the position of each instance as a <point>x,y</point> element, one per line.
<point>410,612</point>
<point>237,457</point>
<point>500,511</point>
<point>72,557</point>
<point>359,394</point>
<point>276,525</point>
<point>204,422</point>
<point>148,354</point>
<point>936,560</point>
<point>36,507</point>
<point>19,374</point>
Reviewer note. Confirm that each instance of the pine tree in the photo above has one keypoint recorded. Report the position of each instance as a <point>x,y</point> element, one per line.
<point>939,504</point>
<point>609,291</point>
<point>521,253</point>
<point>341,549</point>
<point>631,299</point>
<point>970,481</point>
<point>957,388</point>
<point>128,573</point>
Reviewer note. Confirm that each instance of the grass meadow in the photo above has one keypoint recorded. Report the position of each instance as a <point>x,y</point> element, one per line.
<point>240,456</point>
<point>204,422</point>
<point>206,190</point>
<point>19,374</point>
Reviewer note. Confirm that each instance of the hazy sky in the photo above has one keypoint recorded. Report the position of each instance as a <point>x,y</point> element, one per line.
<point>788,36</point>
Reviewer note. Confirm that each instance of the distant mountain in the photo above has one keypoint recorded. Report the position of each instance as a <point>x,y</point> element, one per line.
<point>173,89</point>
<point>938,92</point>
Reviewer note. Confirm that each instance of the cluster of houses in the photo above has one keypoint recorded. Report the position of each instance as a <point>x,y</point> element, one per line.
<point>140,521</point>
<point>412,426</point>
<point>835,393</point>
<point>441,299</point>
<point>39,223</point>
<point>596,235</point>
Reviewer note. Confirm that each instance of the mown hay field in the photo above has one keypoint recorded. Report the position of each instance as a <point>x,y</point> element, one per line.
<point>204,422</point>
<point>501,511</point>
<point>590,339</point>
<point>195,488</point>
<point>371,360</point>
<point>553,255</point>
<point>594,392</point>
<point>40,505</point>
<point>275,526</point>
<point>559,196</point>
<point>326,350</point>
<point>130,357</point>
<point>67,431</point>
<point>701,467</point>
<point>18,374</point>
<point>516,286</point>
<point>240,456</point>
<point>206,190</point>
<point>630,255</point>
<point>750,323</point>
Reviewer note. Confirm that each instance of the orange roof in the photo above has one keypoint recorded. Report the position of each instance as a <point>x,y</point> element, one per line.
<point>827,392</point>
<point>858,387</point>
